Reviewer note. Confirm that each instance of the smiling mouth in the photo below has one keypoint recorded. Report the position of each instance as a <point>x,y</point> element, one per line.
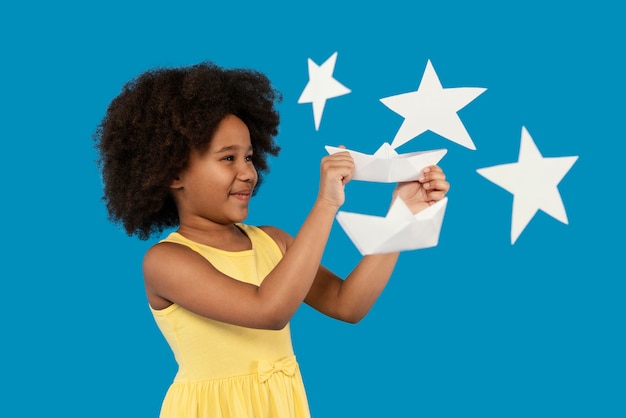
<point>242,195</point>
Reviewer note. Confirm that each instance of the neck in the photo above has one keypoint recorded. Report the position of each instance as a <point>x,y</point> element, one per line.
<point>225,237</point>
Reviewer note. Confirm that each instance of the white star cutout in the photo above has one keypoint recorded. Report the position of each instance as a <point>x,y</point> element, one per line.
<point>533,181</point>
<point>432,108</point>
<point>321,87</point>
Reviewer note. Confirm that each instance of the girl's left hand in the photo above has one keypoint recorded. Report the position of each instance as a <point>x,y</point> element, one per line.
<point>425,191</point>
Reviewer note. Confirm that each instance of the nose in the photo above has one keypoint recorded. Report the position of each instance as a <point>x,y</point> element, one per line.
<point>246,172</point>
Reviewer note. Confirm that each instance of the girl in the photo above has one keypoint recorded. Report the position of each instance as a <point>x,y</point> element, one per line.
<point>187,148</point>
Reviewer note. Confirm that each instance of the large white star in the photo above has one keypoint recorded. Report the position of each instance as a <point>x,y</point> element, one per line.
<point>321,87</point>
<point>533,181</point>
<point>432,108</point>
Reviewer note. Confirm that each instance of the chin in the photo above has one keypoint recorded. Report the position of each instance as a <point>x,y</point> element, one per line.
<point>241,217</point>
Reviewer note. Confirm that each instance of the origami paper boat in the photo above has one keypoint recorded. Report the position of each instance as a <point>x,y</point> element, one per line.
<point>387,166</point>
<point>399,230</point>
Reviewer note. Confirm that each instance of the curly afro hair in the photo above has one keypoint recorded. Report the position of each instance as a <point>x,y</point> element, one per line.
<point>151,127</point>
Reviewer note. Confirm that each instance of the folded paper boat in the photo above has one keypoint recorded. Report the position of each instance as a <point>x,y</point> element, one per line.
<point>387,166</point>
<point>399,230</point>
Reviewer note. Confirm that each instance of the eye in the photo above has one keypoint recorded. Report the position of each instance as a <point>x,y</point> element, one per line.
<point>228,158</point>
<point>249,158</point>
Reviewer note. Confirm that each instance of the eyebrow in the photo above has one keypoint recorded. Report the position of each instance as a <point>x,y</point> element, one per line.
<point>230,148</point>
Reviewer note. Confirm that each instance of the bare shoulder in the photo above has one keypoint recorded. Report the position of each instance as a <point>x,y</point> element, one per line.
<point>163,253</point>
<point>282,238</point>
<point>166,257</point>
<point>162,264</point>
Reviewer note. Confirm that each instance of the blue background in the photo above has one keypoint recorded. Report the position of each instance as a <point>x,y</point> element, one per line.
<point>475,327</point>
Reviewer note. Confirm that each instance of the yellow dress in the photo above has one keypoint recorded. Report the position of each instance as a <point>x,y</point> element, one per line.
<point>226,370</point>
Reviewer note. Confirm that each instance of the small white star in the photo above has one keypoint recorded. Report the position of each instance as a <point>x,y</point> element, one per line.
<point>321,87</point>
<point>533,181</point>
<point>432,108</point>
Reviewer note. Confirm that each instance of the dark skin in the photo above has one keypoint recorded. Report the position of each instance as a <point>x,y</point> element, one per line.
<point>212,195</point>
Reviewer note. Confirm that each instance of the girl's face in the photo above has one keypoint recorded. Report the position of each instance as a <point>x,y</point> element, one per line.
<point>218,182</point>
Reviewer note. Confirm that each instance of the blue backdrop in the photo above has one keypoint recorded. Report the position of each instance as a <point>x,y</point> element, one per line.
<point>475,327</point>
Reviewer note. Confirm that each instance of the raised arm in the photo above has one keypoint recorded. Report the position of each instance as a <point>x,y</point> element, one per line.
<point>351,299</point>
<point>176,274</point>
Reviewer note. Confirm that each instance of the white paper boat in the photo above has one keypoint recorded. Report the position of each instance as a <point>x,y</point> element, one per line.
<point>399,230</point>
<point>387,166</point>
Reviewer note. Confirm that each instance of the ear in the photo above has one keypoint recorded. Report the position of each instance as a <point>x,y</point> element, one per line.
<point>177,183</point>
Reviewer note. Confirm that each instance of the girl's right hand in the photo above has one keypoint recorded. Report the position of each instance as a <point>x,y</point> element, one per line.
<point>336,170</point>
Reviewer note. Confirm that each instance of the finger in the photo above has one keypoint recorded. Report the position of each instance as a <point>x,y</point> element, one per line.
<point>341,155</point>
<point>435,196</point>
<point>338,159</point>
<point>433,167</point>
<point>339,167</point>
<point>343,174</point>
<point>432,175</point>
<point>440,185</point>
